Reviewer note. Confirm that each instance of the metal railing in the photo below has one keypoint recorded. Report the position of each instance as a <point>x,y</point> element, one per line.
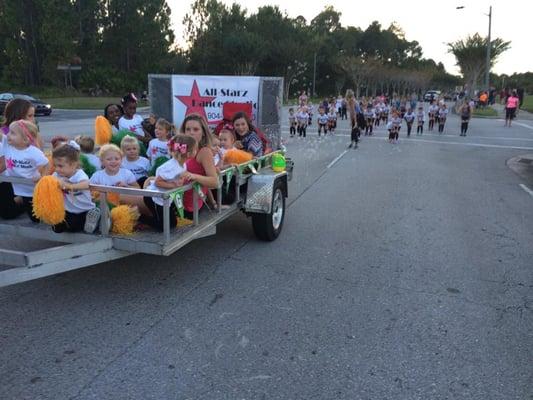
<point>240,171</point>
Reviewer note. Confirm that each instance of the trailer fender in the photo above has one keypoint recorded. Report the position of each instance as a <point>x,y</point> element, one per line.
<point>260,189</point>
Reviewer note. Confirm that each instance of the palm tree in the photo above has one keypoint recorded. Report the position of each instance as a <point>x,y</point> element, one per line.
<point>471,54</point>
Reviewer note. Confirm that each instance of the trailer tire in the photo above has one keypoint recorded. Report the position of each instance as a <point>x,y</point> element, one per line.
<point>267,227</point>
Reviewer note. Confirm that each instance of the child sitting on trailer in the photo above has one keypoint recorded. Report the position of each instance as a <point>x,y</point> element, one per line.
<point>139,166</point>
<point>168,176</point>
<point>158,146</point>
<point>112,173</point>
<point>20,157</point>
<point>80,211</point>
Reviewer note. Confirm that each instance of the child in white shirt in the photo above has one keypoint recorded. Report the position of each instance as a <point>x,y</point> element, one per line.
<point>158,146</point>
<point>322,121</point>
<point>420,121</point>
<point>432,115</point>
<point>409,119</point>
<point>227,139</point>
<point>332,120</point>
<point>303,119</point>
<point>292,122</point>
<point>80,211</point>
<point>168,176</point>
<point>442,115</point>
<point>138,165</point>
<point>132,121</point>
<point>112,173</point>
<point>20,157</point>
<point>369,117</point>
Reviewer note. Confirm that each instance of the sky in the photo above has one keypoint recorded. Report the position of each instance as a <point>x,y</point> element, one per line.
<point>432,23</point>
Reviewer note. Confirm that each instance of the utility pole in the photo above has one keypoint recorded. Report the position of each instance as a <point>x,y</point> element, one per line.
<point>314,76</point>
<point>487,63</point>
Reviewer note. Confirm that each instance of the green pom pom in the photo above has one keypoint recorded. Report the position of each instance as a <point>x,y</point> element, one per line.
<point>117,138</point>
<point>157,163</point>
<point>86,166</point>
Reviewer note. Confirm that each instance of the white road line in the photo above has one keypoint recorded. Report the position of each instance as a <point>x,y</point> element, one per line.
<point>414,140</point>
<point>331,164</point>
<point>524,125</point>
<point>434,135</point>
<point>527,190</point>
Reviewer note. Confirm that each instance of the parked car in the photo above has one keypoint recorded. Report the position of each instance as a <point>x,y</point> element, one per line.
<point>41,108</point>
<point>431,95</point>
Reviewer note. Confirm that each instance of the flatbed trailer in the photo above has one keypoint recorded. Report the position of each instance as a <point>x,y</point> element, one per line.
<point>260,192</point>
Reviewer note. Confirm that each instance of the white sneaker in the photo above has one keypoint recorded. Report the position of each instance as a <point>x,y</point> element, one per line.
<point>91,220</point>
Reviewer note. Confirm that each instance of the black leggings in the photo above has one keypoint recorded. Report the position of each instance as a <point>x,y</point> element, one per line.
<point>9,209</point>
<point>72,223</point>
<point>368,127</point>
<point>420,129</point>
<point>409,127</point>
<point>431,123</point>
<point>157,219</point>
<point>464,126</point>
<point>292,130</point>
<point>302,130</point>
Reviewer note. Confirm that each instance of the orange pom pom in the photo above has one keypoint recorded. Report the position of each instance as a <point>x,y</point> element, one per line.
<point>48,201</point>
<point>102,130</point>
<point>235,156</point>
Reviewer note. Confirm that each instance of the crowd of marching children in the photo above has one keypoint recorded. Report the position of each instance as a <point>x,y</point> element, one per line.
<point>133,152</point>
<point>366,114</point>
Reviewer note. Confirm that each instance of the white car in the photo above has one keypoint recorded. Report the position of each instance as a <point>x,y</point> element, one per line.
<point>431,95</point>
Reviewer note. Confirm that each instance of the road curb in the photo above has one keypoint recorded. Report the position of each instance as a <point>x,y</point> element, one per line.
<point>522,165</point>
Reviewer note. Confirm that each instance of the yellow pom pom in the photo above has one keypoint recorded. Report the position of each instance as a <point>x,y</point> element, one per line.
<point>182,222</point>
<point>123,219</point>
<point>48,201</point>
<point>235,156</point>
<point>102,130</point>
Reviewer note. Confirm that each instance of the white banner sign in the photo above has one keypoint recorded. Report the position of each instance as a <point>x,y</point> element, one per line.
<point>205,95</point>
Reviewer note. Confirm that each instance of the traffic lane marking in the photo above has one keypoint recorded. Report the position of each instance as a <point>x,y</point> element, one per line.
<point>414,140</point>
<point>331,164</point>
<point>433,134</point>
<point>524,125</point>
<point>526,189</point>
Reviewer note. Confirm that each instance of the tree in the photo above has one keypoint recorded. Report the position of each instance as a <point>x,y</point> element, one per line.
<point>470,54</point>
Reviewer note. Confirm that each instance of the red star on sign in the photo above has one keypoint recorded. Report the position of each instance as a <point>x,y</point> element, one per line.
<point>195,101</point>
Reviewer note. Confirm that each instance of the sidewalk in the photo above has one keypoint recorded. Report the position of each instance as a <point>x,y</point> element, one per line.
<point>522,115</point>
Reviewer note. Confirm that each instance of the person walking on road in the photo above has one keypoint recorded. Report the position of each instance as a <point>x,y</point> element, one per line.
<point>350,106</point>
<point>510,108</point>
<point>466,114</point>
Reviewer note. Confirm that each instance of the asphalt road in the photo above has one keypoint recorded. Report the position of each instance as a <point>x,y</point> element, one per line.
<point>403,272</point>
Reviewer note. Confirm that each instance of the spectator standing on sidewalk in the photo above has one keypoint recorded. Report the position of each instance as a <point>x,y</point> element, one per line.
<point>511,105</point>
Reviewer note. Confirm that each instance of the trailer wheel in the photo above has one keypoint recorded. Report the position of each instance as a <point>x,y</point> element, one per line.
<point>268,226</point>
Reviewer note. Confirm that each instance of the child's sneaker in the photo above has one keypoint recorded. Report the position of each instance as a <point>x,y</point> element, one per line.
<point>91,220</point>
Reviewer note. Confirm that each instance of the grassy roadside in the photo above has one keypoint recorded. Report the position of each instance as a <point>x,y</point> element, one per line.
<point>528,104</point>
<point>485,112</point>
<point>84,103</point>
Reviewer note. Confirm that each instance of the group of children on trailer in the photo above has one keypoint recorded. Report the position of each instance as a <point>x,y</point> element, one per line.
<point>192,155</point>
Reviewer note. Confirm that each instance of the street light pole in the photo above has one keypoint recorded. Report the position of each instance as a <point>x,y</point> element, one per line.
<point>487,63</point>
<point>314,75</point>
